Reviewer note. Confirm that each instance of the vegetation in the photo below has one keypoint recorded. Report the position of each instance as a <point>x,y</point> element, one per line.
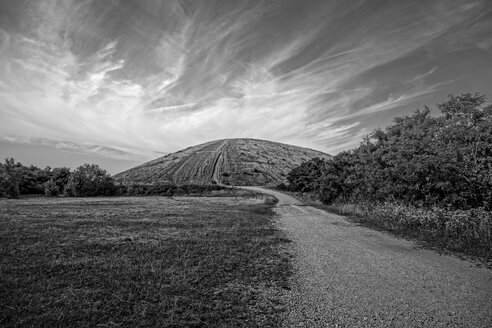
<point>17,179</point>
<point>304,178</point>
<point>87,180</point>
<point>166,189</point>
<point>140,262</point>
<point>90,180</point>
<point>425,175</point>
<point>10,179</point>
<point>59,178</point>
<point>467,231</point>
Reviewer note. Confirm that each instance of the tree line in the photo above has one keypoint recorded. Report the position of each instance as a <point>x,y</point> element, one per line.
<point>86,180</point>
<point>424,176</point>
<point>420,159</point>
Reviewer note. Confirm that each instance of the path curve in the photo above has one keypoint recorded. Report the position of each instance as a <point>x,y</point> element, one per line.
<point>351,276</point>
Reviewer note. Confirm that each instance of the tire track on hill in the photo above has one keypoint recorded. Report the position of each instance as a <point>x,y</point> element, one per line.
<point>196,167</point>
<point>246,161</point>
<point>351,276</point>
<point>177,172</point>
<point>219,155</point>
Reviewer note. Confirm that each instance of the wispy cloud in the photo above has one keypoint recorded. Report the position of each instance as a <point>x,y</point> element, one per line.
<point>129,77</point>
<point>81,148</point>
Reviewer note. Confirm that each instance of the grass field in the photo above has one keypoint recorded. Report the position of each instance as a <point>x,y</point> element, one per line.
<point>141,261</point>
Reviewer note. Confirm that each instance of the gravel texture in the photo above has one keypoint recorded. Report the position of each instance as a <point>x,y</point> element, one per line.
<point>351,276</point>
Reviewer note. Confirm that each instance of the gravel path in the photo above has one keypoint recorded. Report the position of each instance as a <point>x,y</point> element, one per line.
<point>350,276</point>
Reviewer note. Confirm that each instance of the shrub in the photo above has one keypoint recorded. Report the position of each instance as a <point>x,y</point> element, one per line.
<point>51,189</point>
<point>90,180</point>
<point>305,177</point>
<point>60,177</point>
<point>420,159</point>
<point>166,189</point>
<point>10,177</point>
<point>282,186</point>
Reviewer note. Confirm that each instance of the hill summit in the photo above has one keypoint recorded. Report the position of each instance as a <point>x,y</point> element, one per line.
<point>229,162</point>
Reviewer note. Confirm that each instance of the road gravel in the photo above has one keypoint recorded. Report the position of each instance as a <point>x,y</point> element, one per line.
<point>347,275</point>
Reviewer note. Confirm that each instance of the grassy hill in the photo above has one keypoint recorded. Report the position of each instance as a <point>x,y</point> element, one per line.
<point>229,162</point>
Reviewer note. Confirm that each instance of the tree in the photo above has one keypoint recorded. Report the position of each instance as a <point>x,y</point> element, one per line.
<point>33,179</point>
<point>419,159</point>
<point>10,177</point>
<point>90,180</point>
<point>304,177</point>
<point>51,189</point>
<point>60,177</point>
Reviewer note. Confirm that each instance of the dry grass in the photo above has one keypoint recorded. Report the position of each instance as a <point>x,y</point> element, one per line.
<point>464,231</point>
<point>140,262</point>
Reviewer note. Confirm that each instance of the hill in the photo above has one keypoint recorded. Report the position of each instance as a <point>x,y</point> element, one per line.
<point>228,162</point>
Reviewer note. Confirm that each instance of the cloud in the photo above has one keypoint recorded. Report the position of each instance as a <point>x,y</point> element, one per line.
<point>162,75</point>
<point>81,148</point>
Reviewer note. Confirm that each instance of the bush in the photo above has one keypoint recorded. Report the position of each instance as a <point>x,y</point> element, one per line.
<point>90,180</point>
<point>51,189</point>
<point>10,178</point>
<point>422,160</point>
<point>60,177</point>
<point>169,190</point>
<point>304,178</point>
<point>282,186</point>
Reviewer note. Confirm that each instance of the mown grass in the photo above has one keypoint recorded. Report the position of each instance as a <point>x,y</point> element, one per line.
<point>140,262</point>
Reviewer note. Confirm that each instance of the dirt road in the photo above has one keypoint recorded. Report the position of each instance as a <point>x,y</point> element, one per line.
<point>350,276</point>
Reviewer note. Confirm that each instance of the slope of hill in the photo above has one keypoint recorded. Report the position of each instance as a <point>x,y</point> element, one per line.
<point>229,162</point>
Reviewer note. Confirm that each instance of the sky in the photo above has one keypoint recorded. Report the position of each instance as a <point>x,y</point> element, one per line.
<point>118,83</point>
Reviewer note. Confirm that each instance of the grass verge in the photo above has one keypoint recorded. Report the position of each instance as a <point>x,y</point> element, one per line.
<point>464,233</point>
<point>468,232</point>
<point>140,262</point>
